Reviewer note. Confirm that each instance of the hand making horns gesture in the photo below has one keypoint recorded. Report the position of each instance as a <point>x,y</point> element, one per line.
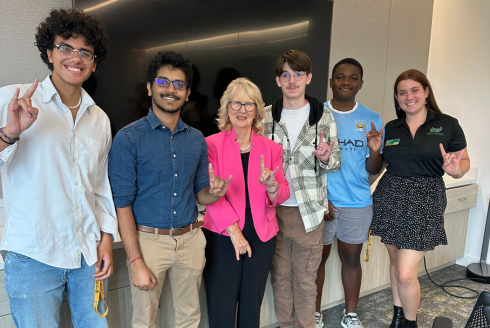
<point>323,150</point>
<point>267,177</point>
<point>217,185</point>
<point>374,138</point>
<point>450,163</point>
<point>21,114</point>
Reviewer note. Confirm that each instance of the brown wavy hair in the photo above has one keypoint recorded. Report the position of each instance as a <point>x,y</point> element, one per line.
<point>417,76</point>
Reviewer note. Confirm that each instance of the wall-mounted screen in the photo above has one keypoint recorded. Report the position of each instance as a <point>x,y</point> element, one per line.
<point>224,39</point>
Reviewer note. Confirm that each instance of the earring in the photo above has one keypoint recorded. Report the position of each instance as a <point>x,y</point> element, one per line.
<point>399,108</point>
<point>228,120</point>
<point>426,102</point>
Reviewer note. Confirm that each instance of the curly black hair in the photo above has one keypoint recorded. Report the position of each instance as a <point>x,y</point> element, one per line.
<point>71,23</point>
<point>164,58</point>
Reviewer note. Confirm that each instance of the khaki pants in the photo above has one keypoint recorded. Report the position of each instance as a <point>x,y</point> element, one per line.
<point>182,257</point>
<point>298,254</point>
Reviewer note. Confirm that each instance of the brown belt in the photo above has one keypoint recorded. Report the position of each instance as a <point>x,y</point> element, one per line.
<point>171,232</point>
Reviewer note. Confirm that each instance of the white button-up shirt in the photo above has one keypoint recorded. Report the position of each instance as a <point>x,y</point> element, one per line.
<point>57,197</point>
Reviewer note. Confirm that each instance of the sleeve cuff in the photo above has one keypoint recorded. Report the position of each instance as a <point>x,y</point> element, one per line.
<point>6,154</point>
<point>107,224</point>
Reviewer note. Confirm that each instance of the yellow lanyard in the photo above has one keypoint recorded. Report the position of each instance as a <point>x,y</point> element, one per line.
<point>370,241</point>
<point>99,290</point>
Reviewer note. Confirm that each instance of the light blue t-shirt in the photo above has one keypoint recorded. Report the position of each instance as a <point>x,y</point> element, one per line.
<point>349,186</point>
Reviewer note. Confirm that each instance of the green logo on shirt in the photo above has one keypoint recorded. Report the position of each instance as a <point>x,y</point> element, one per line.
<point>435,131</point>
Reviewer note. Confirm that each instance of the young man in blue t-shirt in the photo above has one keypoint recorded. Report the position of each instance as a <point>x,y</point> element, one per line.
<point>360,134</point>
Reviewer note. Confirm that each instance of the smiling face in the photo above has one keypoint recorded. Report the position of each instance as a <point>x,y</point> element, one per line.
<point>241,119</point>
<point>168,100</point>
<point>346,82</point>
<point>71,71</point>
<point>411,96</point>
<point>293,89</point>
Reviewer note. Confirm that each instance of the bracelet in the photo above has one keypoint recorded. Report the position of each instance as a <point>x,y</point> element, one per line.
<point>11,140</point>
<point>8,143</point>
<point>139,257</point>
<point>274,190</point>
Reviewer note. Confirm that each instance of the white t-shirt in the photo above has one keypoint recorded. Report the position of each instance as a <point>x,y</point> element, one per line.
<point>295,120</point>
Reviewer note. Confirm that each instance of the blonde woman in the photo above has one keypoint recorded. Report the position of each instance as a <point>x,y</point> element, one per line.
<point>241,227</point>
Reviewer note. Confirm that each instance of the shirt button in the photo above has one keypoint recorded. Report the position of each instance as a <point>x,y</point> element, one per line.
<point>77,230</point>
<point>171,137</point>
<point>77,207</point>
<point>175,174</point>
<point>76,183</point>
<point>175,155</point>
<point>74,159</point>
<point>175,194</point>
<point>175,212</point>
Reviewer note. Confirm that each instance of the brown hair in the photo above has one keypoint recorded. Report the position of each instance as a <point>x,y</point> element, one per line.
<point>241,87</point>
<point>297,60</point>
<point>417,76</point>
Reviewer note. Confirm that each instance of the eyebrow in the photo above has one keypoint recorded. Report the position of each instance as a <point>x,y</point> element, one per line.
<point>166,78</point>
<point>69,45</point>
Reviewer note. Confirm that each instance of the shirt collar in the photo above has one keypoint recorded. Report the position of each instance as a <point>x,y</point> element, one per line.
<point>50,91</point>
<point>431,116</point>
<point>155,122</point>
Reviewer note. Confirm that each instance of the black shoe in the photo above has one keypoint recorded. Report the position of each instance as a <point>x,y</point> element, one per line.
<point>398,317</point>
<point>410,324</point>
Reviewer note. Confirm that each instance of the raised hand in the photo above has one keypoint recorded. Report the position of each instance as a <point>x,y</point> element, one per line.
<point>267,177</point>
<point>21,114</point>
<point>374,138</point>
<point>450,163</point>
<point>217,185</point>
<point>323,150</point>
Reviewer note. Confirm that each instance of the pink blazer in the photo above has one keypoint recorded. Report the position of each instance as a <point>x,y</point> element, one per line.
<point>224,154</point>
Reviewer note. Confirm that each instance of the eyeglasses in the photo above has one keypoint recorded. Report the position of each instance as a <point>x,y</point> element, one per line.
<point>163,82</point>
<point>67,52</point>
<point>297,76</point>
<point>236,106</point>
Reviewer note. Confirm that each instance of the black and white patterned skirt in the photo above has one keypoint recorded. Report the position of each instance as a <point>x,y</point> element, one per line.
<point>409,212</point>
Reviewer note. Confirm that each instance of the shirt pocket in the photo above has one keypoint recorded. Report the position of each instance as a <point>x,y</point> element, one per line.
<point>307,158</point>
<point>90,154</point>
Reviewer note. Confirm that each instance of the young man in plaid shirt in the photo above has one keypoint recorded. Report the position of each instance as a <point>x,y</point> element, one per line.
<point>307,132</point>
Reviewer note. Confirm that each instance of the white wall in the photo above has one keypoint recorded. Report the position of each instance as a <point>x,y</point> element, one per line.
<point>459,71</point>
<point>19,57</point>
<point>387,37</point>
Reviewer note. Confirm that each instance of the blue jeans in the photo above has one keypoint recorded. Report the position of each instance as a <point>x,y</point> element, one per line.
<point>35,291</point>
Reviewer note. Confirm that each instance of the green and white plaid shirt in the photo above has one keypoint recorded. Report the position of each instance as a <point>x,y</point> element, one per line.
<point>308,174</point>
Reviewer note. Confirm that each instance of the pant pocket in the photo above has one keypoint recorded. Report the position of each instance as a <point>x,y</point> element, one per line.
<point>314,259</point>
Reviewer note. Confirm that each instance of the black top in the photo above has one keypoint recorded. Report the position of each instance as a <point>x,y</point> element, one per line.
<point>249,227</point>
<point>420,156</point>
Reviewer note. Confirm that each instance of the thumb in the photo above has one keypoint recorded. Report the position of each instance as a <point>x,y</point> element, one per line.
<point>153,281</point>
<point>98,264</point>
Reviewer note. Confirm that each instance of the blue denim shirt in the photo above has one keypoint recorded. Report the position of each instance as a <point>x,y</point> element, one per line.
<point>158,172</point>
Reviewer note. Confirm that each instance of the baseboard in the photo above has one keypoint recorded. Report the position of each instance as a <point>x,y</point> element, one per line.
<point>468,259</point>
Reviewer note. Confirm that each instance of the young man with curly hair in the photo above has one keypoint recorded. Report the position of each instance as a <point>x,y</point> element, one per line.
<point>54,144</point>
<point>158,168</point>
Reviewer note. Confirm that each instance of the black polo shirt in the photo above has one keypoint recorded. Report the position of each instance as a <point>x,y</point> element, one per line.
<point>421,156</point>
